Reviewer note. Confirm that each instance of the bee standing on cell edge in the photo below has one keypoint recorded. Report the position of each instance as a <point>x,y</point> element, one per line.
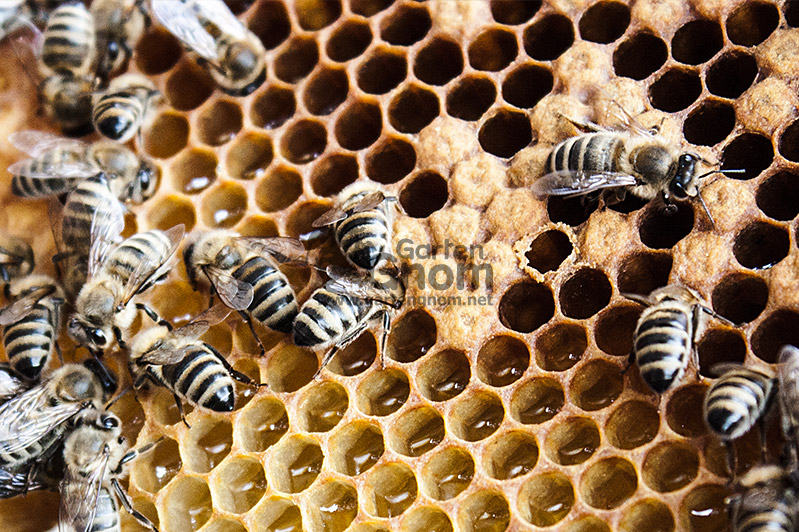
<point>122,109</point>
<point>16,258</point>
<point>232,54</point>
<point>191,369</point>
<point>119,24</point>
<point>767,501</point>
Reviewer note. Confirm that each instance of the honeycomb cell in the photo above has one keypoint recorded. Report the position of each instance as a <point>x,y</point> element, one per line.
<point>426,193</point>
<point>411,336</point>
<point>525,86</point>
<point>669,466</point>
<point>280,188</point>
<point>514,13</point>
<point>604,22</point>
<point>359,125</point>
<point>761,245</point>
<point>188,505</point>
<point>277,514</point>
<point>526,306</point>
<point>740,297</point>
<point>511,455</point>
<point>546,499</point>
<point>778,196</point>
<point>349,40</point>
<point>224,205</point>
<point>416,431</point>
<point>709,123</point>
<point>476,416</point>
<point>273,107</point>
<point>443,375</point>
<point>238,485</point>
<point>270,23</point>
<point>382,71</point>
<point>426,519</point>
<point>326,90</point>
<point>537,401</point>
<point>548,37</point>
<point>493,50</point>
<point>331,174</point>
<point>560,346</point>
<point>644,272</point>
<point>791,14</point>
<point>193,171</point>
<point>438,62</point>
<point>156,468</point>
<point>157,51</point>
<point>313,15</point>
<point>750,152</point>
<point>207,443</point>
<point>390,160</point>
<point>675,90</point>
<point>585,293</point>
<point>188,86</point>
<point>703,509</point>
<point>777,329</point>
<point>505,133</point>
<point>548,250</point>
<point>595,385</point>
<point>170,211</point>
<point>502,361</point>
<point>589,523</point>
<point>248,367</point>
<point>408,24</point>
<point>356,357</point>
<point>447,474</point>
<point>607,483</point>
<point>368,526</point>
<point>648,514</point>
<point>382,393</point>
<point>356,447</point>
<point>180,302</point>
<point>261,424</point>
<point>301,218</point>
<point>322,406</point>
<point>412,109</point>
<point>389,490</point>
<point>219,123</point>
<point>258,225</point>
<point>663,226</point>
<point>484,511</point>
<point>747,451</point>
<point>471,97</point>
<point>572,441</point>
<point>696,42</point>
<point>249,156</point>
<point>572,211</point>
<point>290,368</point>
<point>720,346</point>
<point>295,463</point>
<point>333,506</point>
<point>224,525</point>
<point>166,135</point>
<point>146,508</point>
<point>615,327</point>
<point>752,23</point>
<point>731,74</point>
<point>297,60</point>
<point>632,424</point>
<point>639,56</point>
<point>684,411</point>
<point>304,141</point>
<point>165,408</point>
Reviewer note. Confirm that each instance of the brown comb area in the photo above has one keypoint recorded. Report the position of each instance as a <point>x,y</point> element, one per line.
<point>512,415</point>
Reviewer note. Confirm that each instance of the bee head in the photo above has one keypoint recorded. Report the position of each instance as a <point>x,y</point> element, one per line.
<point>77,384</point>
<point>146,182</point>
<point>682,184</point>
<point>88,335</point>
<point>107,379</point>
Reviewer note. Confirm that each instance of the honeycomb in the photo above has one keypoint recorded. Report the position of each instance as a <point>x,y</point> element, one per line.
<point>514,413</point>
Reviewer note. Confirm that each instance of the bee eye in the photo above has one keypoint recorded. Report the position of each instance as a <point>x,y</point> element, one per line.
<point>97,336</point>
<point>110,422</point>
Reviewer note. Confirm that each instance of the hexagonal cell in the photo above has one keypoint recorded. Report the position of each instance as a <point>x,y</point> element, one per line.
<point>170,211</point>
<point>295,463</point>
<point>389,490</point>
<point>548,250</point>
<point>750,152</point>
<point>502,361</point>
<point>426,193</point>
<point>412,336</point>
<point>390,160</point>
<point>180,302</point>
<point>778,196</point>
<point>632,424</point>
<point>471,96</point>
<point>447,474</point>
<point>188,86</point>
<point>492,50</point>
<point>589,523</point>
<point>193,171</point>
<point>330,175</point>
<point>789,141</point>
<point>290,368</point>
<point>791,12</point>
<point>572,441</point>
<point>696,42</point>
<point>684,411</point>
<point>511,455</point>
<point>548,37</point>
<point>752,23</point>
<point>604,22</point>
<point>238,485</point>
<point>314,15</point>
<point>438,62</point>
<point>382,392</point>
<point>165,409</point>
<point>157,51</point>
<point>356,357</point>
<point>304,141</point>
<point>644,272</point>
<point>524,87</point>
<point>261,424</point>
<point>709,123</point>
<point>426,519</point>
<point>349,40</point>
<point>747,451</point>
<point>505,133</point>
<point>412,109</point>
<point>740,297</point>
<point>224,206</point>
<point>669,466</point>
<point>585,293</point>
<point>276,514</point>
<point>270,23</point>
<point>407,25</point>
<point>675,90</point>
<point>187,505</point>
<point>571,211</point>
<point>382,71</point>
<point>359,125</point>
<point>249,156</point>
<point>157,467</point>
<point>273,107</point>
<point>663,226</point>
<point>537,401</point>
<point>731,74</point>
<point>560,346</point>
<point>443,375</point>
<point>647,514</point>
<point>322,406</point>
<point>761,245</point>
<point>484,511</point>
<point>546,499</point>
<point>144,507</point>
<point>166,135</point>
<point>526,306</point>
<point>595,385</point>
<point>356,447</point>
<point>416,431</point>
<point>608,483</point>
<point>476,416</point>
<point>219,123</point>
<point>704,510</point>
<point>207,443</point>
<point>777,329</point>
<point>719,346</point>
<point>297,60</point>
<point>326,90</point>
<point>639,55</point>
<point>333,506</point>
<point>248,367</point>
<point>301,218</point>
<point>280,188</point>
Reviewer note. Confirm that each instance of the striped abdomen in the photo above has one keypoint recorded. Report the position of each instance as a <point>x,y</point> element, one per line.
<point>153,246</point>
<point>107,517</point>
<point>590,154</point>
<point>363,237</point>
<point>118,115</point>
<point>29,341</point>
<point>663,343</point>
<point>735,402</point>
<point>33,451</point>
<point>200,378</point>
<point>779,518</point>
<point>69,40</point>
<point>327,318</point>
<point>273,302</point>
<point>90,196</point>
<point>33,187</point>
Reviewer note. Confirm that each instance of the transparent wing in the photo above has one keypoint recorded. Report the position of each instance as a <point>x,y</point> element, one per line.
<point>79,493</point>
<point>10,385</point>
<point>60,170</point>
<point>36,143</point>
<point>346,283</point>
<point>27,417</point>
<point>336,214</point>
<point>165,355</point>
<point>17,483</point>
<point>282,248</point>
<point>22,306</point>
<point>788,375</point>
<point>570,183</point>
<point>182,22</point>
<point>150,268</point>
<point>216,12</point>
<point>108,222</point>
<point>234,293</point>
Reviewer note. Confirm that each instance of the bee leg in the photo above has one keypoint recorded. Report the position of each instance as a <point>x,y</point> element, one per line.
<point>732,459</point>
<point>248,321</point>
<point>180,410</point>
<point>128,505</point>
<point>327,358</point>
<point>239,376</point>
<point>154,316</point>
<point>697,321</point>
<point>119,339</point>
<point>630,362</point>
<point>58,352</point>
<point>384,338</point>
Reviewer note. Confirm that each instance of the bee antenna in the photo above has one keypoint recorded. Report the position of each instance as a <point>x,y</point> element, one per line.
<point>704,207</point>
<point>117,398</point>
<point>720,171</point>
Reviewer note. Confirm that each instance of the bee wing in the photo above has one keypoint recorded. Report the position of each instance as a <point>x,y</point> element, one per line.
<point>10,385</point>
<point>182,22</point>
<point>234,293</point>
<point>36,143</point>
<point>21,307</point>
<point>164,356</point>
<point>149,268</point>
<point>17,483</point>
<point>572,183</point>
<point>335,214</point>
<point>27,417</point>
<point>219,14</point>
<point>788,375</point>
<point>282,248</point>
<point>348,284</point>
<point>108,222</point>
<point>61,170</point>
<point>79,494</point>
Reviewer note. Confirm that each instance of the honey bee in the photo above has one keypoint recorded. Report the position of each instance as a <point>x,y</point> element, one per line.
<point>766,501</point>
<point>119,113</point>
<point>788,379</point>
<point>232,54</point>
<point>16,258</point>
<point>118,24</point>
<point>10,383</point>
<point>737,400</point>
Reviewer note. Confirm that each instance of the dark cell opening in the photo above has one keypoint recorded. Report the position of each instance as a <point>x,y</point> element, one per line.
<point>297,60</point>
<point>548,251</point>
<point>789,142</point>
<point>778,196</point>
<point>493,50</point>
<point>188,86</point>
<point>662,226</point>
<point>438,62</point>
<point>383,71</point>
<point>526,306</point>
<point>585,293</point>
<point>505,133</point>
<point>779,328</point>
<point>326,90</point>
<point>304,141</point>
<point>390,161</point>
<point>367,8</point>
<point>761,245</point>
<point>157,51</point>
<point>560,347</point>
<point>719,346</point>
<point>412,336</point>
<point>270,22</point>
<point>630,203</point>
<point>424,195</point>
<point>615,328</point>
<point>709,123</point>
<point>740,297</point>
<point>752,23</point>
<point>791,12</point>
<point>407,25</point>
<point>749,152</point>
<point>548,37</point>
<point>675,90</point>
<point>696,42</point>
<point>413,109</point>
<point>313,15</point>
<point>273,107</point>
<point>349,41</point>
<point>572,211</point>
<point>731,74</point>
<point>644,272</point>
<point>525,86</point>
<point>471,97</point>
<point>639,56</point>
<point>604,22</point>
<point>331,175</point>
<point>359,125</point>
<point>512,12</point>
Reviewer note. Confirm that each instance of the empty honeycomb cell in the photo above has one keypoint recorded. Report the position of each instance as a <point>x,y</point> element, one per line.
<point>295,463</point>
<point>280,188</point>
<point>572,211</point>
<point>447,474</point>
<point>572,441</point>
<point>615,327</point>
<point>187,505</point>
<point>258,226</point>
<point>224,525</point>
<point>382,393</point>
<point>589,523</point>
<point>632,424</point>
<point>731,74</point>
<point>639,55</point>
<point>471,97</point>
<point>131,225</point>
<point>382,71</point>
<point>443,375</point>
<point>493,50</point>
<point>526,306</point>
<point>314,15</point>
<point>322,406</point>
<point>389,490</point>
<point>273,107</point>
<point>484,511</point>
<point>684,411</point>
<point>326,90</point>
<point>560,346</point>
<point>524,87</point>
<point>537,401</point>
<point>648,514</point>
<point>333,506</point>
<point>789,142</point>
<point>194,170</point>
<point>156,468</point>
<point>301,218</point>
<point>585,293</point>
<point>178,303</point>
<point>704,509</point>
<point>208,442</point>
<point>662,226</point>
<point>505,133</point>
<point>303,141</point>
<point>261,424</point>
<point>356,447</point>
<point>426,519</point>
<point>249,156</point>
<point>416,431</point>
<point>476,416</point>
<point>604,22</point>
<point>546,499</point>
<point>502,361</point>
<point>426,193</point>
<point>390,160</point>
<point>709,123</point>
<point>165,408</point>
<point>669,466</point>
<point>412,336</point>
<point>359,125</point>
<point>778,196</point>
<point>675,90</point>
<point>761,245</point>
<point>166,135</point>
<point>752,23</point>
<point>146,508</point>
<point>548,250</point>
<point>290,368</point>
<point>356,357</point>
<point>188,86</point>
<point>438,62</point>
<point>238,485</point>
<point>747,451</point>
<point>412,109</point>
<point>270,23</point>
<point>276,514</point>
<point>720,346</point>
<point>595,385</point>
<point>511,455</point>
<point>740,297</point>
<point>696,42</point>
<point>777,329</point>
<point>170,211</point>
<point>224,205</point>
<point>349,40</point>
<point>750,152</point>
<point>297,60</point>
<point>331,174</point>
<point>609,482</point>
<point>548,37</point>
<point>157,51</point>
<point>514,13</point>
<point>219,123</point>
<point>644,272</point>
<point>408,24</point>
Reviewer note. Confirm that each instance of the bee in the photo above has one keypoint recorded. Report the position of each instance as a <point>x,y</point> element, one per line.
<point>119,113</point>
<point>31,323</point>
<point>788,379</point>
<point>766,501</point>
<point>232,54</point>
<point>347,305</point>
<point>118,24</point>
<point>57,165</point>
<point>191,369</point>
<point>20,482</point>
<point>16,258</point>
<point>116,274</point>
<point>243,271</point>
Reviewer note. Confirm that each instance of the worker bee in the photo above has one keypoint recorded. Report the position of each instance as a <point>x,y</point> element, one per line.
<point>10,383</point>
<point>232,54</point>
<point>120,111</point>
<point>118,24</point>
<point>737,400</point>
<point>21,481</point>
<point>103,308</point>
<point>346,305</point>
<point>191,369</point>
<point>31,323</point>
<point>244,272</point>
<point>788,378</point>
<point>766,501</point>
<point>16,258</point>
